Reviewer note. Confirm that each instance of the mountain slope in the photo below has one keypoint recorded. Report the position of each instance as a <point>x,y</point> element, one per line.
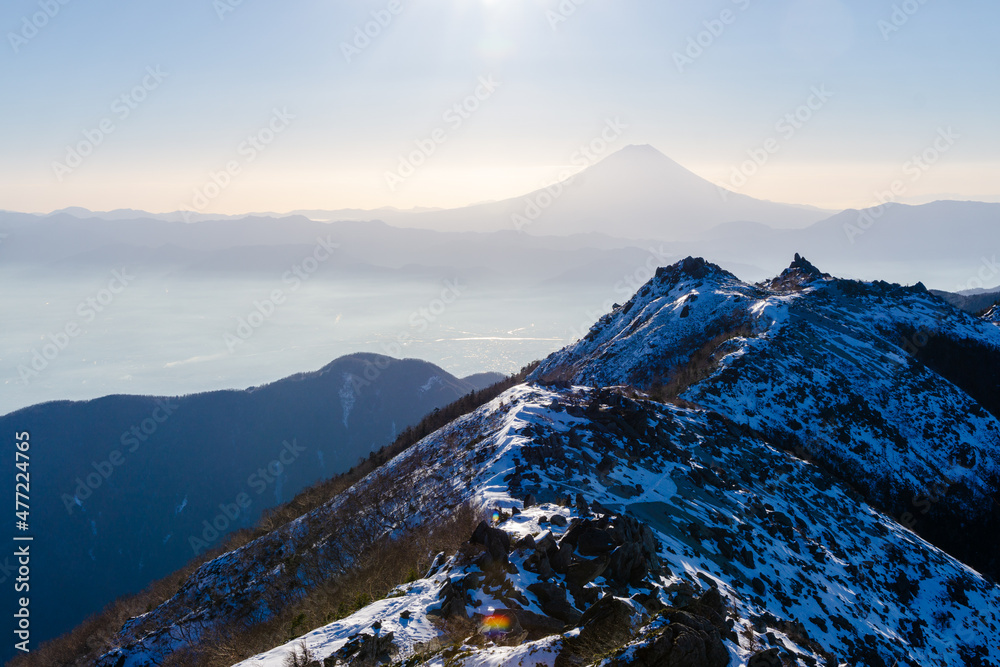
<point>670,503</point>
<point>129,488</point>
<point>830,369</point>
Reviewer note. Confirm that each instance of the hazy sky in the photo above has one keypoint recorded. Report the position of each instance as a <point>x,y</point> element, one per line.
<point>705,82</point>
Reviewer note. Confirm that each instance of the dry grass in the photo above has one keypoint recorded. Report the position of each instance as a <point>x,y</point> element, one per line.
<point>702,363</point>
<point>386,565</point>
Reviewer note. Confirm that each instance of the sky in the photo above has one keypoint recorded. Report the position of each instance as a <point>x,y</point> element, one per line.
<point>231,106</point>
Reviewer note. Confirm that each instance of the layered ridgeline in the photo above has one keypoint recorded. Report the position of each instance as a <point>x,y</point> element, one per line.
<point>711,477</point>
<point>126,489</point>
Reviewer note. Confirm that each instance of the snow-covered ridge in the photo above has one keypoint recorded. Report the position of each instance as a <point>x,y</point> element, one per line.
<point>670,317</point>
<point>802,567</point>
<point>854,375</point>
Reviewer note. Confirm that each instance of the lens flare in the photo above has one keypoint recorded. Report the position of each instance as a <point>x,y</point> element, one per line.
<point>497,625</point>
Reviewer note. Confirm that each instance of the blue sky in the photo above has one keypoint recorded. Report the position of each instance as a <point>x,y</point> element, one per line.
<point>891,88</point>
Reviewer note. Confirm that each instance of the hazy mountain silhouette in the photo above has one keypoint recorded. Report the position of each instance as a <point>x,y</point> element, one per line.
<point>976,303</point>
<point>129,488</point>
<point>636,192</point>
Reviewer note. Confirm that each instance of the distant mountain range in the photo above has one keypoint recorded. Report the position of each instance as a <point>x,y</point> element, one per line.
<point>597,227</point>
<point>126,489</point>
<point>975,303</point>
<point>635,193</point>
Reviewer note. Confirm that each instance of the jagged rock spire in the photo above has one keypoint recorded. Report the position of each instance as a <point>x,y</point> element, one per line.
<point>798,273</point>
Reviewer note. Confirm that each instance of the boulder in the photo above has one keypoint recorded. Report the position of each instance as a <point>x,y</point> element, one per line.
<point>627,564</point>
<point>495,541</point>
<point>363,649</point>
<point>562,558</point>
<point>712,606</point>
<point>608,622</point>
<point>712,599</point>
<point>538,563</point>
<point>572,536</point>
<point>768,658</point>
<point>439,561</point>
<point>583,572</point>
<point>682,593</point>
<point>688,641</point>
<point>546,543</point>
<point>512,618</point>
<point>650,602</point>
<point>452,602</point>
<point>552,600</point>
<point>583,598</point>
<point>606,626</point>
<point>526,543</point>
<point>593,542</point>
<point>538,626</point>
